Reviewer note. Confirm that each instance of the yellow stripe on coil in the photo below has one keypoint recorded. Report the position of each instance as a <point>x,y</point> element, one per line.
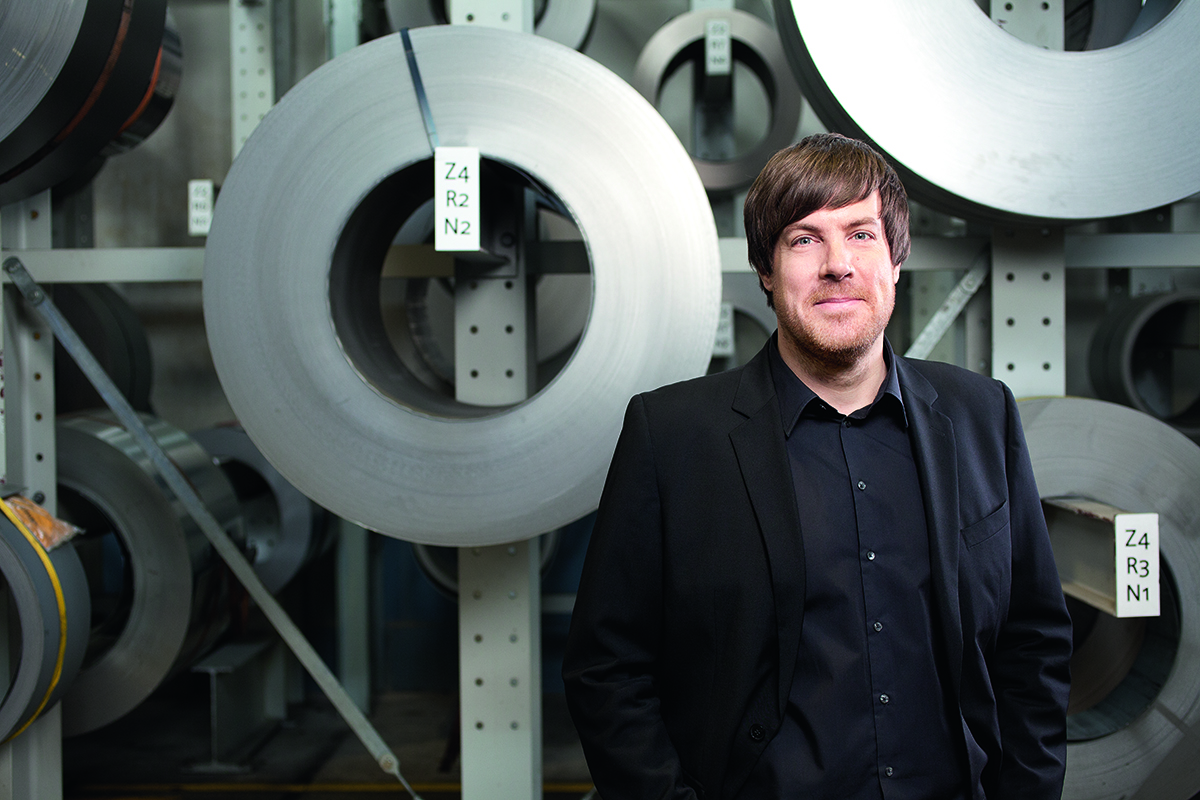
<point>62,613</point>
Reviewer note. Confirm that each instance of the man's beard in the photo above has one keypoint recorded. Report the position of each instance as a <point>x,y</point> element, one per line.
<point>829,347</point>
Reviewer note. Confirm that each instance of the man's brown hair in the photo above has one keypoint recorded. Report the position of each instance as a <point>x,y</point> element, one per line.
<point>825,170</point>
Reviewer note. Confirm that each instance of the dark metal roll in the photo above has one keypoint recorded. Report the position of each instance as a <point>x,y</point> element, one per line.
<point>284,529</point>
<point>1137,354</point>
<point>1132,730</point>
<point>159,594</point>
<point>112,331</point>
<point>47,596</point>
<point>87,79</point>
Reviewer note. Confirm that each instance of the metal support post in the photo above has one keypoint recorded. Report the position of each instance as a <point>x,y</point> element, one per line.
<point>512,15</point>
<point>1038,22</point>
<point>252,72</point>
<point>342,21</point>
<point>30,764</point>
<point>500,676</point>
<point>1029,310</point>
<point>499,616</point>
<point>342,18</point>
<point>353,613</point>
<point>929,291</point>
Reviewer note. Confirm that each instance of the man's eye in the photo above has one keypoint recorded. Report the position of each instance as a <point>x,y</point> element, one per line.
<point>862,235</point>
<point>802,240</point>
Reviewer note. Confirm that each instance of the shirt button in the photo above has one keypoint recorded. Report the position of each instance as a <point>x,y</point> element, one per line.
<point>888,771</point>
<point>870,555</point>
<point>878,626</point>
<point>862,485</point>
<point>883,698</point>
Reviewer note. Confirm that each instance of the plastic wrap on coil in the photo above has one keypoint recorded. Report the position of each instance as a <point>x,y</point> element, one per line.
<point>292,271</point>
<point>984,125</point>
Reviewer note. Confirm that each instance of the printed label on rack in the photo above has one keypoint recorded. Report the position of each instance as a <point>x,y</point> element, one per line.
<point>1137,565</point>
<point>723,345</point>
<point>200,207</point>
<point>717,47</point>
<point>456,198</point>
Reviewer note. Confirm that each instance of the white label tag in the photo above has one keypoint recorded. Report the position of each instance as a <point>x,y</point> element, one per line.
<point>200,207</point>
<point>717,49</point>
<point>1137,565</point>
<point>724,345</point>
<point>456,198</point>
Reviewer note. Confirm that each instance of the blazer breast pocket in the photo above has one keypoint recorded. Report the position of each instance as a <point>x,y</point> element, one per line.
<point>979,532</point>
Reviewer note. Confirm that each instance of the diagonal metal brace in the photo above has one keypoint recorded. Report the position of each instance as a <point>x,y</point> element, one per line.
<point>955,302</point>
<point>279,619</point>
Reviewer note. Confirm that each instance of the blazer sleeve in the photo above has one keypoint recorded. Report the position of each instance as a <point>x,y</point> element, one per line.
<point>1030,674</point>
<point>609,667</point>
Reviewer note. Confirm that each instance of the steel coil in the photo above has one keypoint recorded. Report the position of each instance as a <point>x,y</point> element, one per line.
<point>78,77</point>
<point>292,273</point>
<point>284,529</point>
<point>48,624</point>
<point>158,592</point>
<point>754,44</point>
<point>568,22</point>
<point>1139,740</point>
<point>995,128</point>
<point>1144,356</point>
<point>112,331</point>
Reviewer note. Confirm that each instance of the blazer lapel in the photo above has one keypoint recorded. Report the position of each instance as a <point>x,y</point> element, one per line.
<point>762,457</point>
<point>932,436</point>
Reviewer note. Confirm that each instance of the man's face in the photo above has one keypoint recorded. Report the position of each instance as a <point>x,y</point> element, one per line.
<point>834,283</point>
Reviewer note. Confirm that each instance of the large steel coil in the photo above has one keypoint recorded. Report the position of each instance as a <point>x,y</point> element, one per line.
<point>568,22</point>
<point>292,276</point>
<point>115,336</point>
<point>284,529</point>
<point>47,610</point>
<point>1145,356</point>
<point>80,76</point>
<point>754,44</point>
<point>158,591</point>
<point>1135,692</point>
<point>985,125</point>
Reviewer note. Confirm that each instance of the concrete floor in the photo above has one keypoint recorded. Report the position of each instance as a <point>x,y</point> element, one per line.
<point>153,752</point>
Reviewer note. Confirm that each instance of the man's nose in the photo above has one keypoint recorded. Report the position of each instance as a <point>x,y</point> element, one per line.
<point>837,264</point>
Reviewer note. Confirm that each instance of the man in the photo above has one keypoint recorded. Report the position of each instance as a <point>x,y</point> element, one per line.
<point>825,574</point>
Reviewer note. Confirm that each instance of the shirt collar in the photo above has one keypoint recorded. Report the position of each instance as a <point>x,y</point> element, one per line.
<point>795,397</point>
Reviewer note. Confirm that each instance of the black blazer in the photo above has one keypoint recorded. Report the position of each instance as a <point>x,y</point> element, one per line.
<point>684,636</point>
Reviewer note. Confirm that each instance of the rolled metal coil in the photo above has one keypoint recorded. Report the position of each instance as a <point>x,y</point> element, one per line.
<point>1139,739</point>
<point>80,75</point>
<point>568,22</point>
<point>48,602</point>
<point>1135,356</point>
<point>994,128</point>
<point>754,44</point>
<point>172,602</point>
<point>284,529</point>
<point>315,199</point>
<point>111,329</point>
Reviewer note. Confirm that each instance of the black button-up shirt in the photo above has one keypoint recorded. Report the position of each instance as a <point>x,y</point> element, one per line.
<point>868,715</point>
